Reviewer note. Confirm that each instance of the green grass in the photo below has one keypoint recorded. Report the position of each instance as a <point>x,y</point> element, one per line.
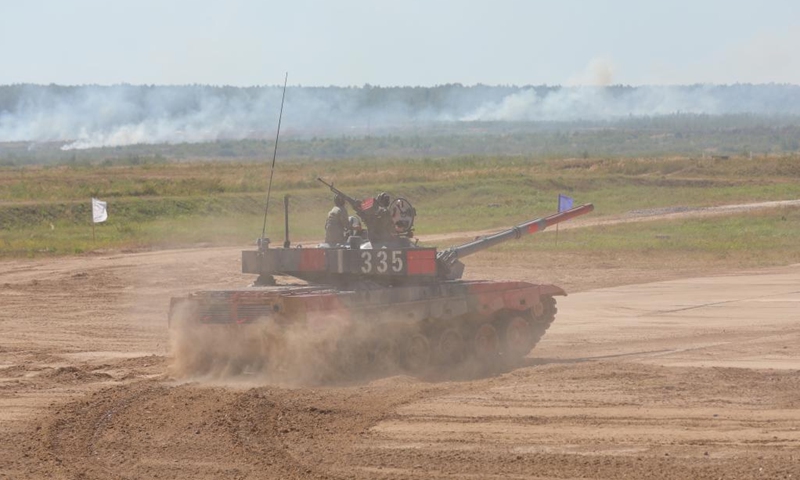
<point>46,210</point>
<point>769,233</point>
<point>63,183</point>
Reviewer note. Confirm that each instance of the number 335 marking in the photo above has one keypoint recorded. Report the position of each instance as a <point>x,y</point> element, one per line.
<point>382,261</point>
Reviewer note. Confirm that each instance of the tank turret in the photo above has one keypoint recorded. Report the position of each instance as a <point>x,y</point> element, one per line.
<point>396,263</point>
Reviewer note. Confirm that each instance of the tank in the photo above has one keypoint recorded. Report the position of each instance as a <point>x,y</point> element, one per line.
<point>370,303</point>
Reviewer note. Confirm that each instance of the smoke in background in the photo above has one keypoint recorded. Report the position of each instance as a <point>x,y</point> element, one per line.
<point>97,116</point>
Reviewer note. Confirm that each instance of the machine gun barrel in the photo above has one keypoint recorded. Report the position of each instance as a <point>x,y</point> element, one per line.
<point>526,228</point>
<point>352,201</point>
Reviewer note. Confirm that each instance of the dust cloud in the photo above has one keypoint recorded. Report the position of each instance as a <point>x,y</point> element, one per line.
<point>332,351</point>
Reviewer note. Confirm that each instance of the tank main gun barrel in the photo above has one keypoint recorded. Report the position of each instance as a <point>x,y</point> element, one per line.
<point>452,254</point>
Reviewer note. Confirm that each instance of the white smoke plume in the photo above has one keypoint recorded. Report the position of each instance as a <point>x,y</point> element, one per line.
<point>598,73</point>
<point>608,103</point>
<point>102,116</point>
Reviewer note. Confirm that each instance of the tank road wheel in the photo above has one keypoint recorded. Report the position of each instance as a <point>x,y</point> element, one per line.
<point>550,309</point>
<point>450,347</point>
<point>486,343</point>
<point>417,353</point>
<point>517,338</point>
<point>541,323</point>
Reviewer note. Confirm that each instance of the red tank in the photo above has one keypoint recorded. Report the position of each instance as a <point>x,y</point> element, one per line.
<point>365,305</point>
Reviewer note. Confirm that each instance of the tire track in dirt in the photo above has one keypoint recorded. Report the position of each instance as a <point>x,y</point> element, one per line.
<point>599,419</point>
<point>151,428</point>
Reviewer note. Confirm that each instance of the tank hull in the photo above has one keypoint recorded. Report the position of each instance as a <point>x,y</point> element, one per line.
<point>416,328</point>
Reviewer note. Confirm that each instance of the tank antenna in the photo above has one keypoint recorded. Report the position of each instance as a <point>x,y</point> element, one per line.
<point>274,156</point>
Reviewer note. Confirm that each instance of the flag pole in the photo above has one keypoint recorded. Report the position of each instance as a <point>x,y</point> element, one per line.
<point>93,239</point>
<point>558,207</point>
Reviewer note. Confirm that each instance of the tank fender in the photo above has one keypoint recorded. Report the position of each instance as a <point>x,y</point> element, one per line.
<point>492,297</point>
<point>552,291</point>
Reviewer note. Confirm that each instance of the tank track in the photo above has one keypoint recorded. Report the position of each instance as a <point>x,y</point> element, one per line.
<point>501,341</point>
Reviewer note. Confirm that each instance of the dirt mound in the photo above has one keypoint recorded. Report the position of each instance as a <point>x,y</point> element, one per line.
<point>593,419</point>
<point>150,429</point>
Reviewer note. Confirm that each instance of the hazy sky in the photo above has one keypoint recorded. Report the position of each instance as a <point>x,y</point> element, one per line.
<point>400,42</point>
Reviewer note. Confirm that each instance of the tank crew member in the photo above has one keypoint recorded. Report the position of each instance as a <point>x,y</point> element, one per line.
<point>379,220</point>
<point>337,223</point>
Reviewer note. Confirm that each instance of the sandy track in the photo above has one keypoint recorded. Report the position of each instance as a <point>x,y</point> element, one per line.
<point>690,378</point>
<point>694,378</point>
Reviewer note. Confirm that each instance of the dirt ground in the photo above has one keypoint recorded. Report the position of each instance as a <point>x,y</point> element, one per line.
<point>646,373</point>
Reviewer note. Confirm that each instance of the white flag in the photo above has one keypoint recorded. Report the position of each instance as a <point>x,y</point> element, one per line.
<point>99,213</point>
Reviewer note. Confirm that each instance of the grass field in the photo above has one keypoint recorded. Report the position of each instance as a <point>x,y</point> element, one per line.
<point>46,210</point>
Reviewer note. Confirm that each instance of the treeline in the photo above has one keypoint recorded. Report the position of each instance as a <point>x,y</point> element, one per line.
<point>683,135</point>
<point>451,100</point>
<point>14,98</point>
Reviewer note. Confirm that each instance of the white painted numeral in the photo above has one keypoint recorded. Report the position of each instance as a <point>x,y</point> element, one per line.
<point>382,265</point>
<point>367,257</point>
<point>382,261</point>
<point>397,261</point>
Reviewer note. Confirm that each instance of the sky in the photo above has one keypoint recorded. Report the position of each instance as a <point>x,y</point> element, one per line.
<point>399,42</point>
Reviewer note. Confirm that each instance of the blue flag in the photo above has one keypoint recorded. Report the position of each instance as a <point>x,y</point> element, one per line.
<point>564,203</point>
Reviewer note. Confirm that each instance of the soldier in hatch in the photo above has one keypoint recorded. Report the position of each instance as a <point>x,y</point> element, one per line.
<point>337,224</point>
<point>379,220</point>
